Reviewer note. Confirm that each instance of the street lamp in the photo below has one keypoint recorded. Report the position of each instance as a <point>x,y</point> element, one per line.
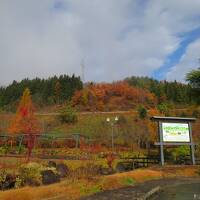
<point>112,123</point>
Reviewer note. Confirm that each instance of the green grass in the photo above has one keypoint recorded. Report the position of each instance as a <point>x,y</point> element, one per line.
<point>128,181</point>
<point>89,190</point>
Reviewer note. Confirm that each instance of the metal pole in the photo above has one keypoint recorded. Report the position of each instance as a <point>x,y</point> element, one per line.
<point>161,143</point>
<point>192,145</point>
<point>112,136</point>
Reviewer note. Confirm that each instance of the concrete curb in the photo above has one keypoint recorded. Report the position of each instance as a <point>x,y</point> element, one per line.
<point>150,193</point>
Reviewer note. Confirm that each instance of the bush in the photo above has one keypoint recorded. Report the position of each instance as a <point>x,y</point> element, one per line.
<point>20,149</point>
<point>49,177</point>
<point>4,150</point>
<point>178,154</point>
<point>196,113</point>
<point>7,180</point>
<point>68,115</point>
<point>3,174</point>
<point>18,182</point>
<point>30,174</point>
<point>62,170</point>
<point>142,112</point>
<point>163,108</point>
<point>124,166</point>
<point>110,159</point>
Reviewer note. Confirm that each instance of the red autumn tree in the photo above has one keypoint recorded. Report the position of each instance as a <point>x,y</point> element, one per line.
<point>112,96</point>
<point>25,121</point>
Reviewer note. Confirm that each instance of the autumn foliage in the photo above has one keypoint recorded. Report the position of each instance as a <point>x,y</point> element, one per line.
<point>112,96</point>
<point>25,121</point>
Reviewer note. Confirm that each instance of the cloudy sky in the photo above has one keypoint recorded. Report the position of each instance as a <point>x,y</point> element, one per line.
<point>113,38</point>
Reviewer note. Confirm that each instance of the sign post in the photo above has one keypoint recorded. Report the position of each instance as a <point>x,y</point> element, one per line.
<point>174,131</point>
<point>192,145</point>
<point>161,144</point>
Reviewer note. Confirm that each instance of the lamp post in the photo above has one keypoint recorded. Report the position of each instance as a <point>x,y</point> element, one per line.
<point>112,123</point>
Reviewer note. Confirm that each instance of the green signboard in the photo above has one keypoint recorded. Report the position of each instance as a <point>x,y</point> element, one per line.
<point>175,132</point>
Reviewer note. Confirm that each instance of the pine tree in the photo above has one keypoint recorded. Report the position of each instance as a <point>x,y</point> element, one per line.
<point>57,91</point>
<point>193,77</point>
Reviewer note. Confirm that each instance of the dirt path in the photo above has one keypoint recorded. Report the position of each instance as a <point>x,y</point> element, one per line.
<point>136,192</point>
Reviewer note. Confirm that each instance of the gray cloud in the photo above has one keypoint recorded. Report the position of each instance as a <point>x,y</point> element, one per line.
<point>115,38</point>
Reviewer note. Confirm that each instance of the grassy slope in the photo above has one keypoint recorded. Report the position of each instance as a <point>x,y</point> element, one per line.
<point>77,188</point>
<point>89,124</point>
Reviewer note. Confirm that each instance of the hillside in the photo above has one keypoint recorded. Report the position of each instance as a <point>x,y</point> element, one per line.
<point>49,94</point>
<point>113,96</point>
<point>45,92</point>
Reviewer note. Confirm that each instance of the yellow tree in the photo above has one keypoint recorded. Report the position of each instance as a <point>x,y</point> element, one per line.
<point>25,121</point>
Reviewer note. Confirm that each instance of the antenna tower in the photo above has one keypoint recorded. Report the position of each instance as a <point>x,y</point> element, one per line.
<point>83,71</point>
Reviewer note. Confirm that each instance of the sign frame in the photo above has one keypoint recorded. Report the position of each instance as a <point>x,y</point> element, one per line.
<point>161,143</point>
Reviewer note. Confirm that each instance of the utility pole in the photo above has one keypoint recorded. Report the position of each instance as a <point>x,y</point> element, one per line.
<point>83,71</point>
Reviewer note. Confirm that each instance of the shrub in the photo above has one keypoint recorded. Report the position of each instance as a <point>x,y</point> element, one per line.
<point>142,112</point>
<point>196,113</point>
<point>62,170</point>
<point>3,175</point>
<point>110,159</point>
<point>179,153</point>
<point>18,182</point>
<point>20,149</point>
<point>7,180</point>
<point>4,150</point>
<point>163,108</point>
<point>30,174</point>
<point>49,177</point>
<point>68,115</point>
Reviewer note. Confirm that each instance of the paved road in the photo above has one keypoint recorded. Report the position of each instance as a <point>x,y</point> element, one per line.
<point>135,192</point>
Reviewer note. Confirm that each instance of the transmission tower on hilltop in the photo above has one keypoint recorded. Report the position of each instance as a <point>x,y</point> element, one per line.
<point>83,71</point>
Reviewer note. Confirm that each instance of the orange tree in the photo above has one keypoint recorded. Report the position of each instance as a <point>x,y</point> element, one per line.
<point>25,121</point>
<point>112,96</point>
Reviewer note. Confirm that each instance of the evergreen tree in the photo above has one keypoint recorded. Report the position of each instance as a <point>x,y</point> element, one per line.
<point>193,77</point>
<point>44,91</point>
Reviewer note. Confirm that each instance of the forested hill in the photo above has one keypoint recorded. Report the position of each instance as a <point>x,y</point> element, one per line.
<point>57,90</point>
<point>165,91</point>
<point>44,91</point>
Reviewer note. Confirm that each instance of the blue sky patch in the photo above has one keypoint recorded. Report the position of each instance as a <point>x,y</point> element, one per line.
<point>175,57</point>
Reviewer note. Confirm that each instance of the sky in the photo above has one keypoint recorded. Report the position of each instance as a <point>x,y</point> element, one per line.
<point>113,39</point>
